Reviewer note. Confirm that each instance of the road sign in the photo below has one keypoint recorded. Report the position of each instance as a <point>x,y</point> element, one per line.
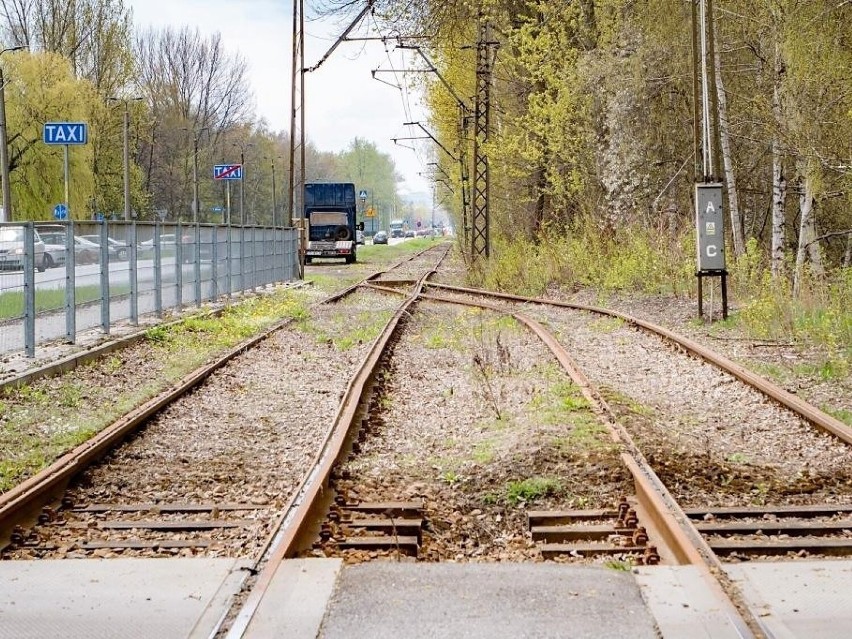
<point>65,133</point>
<point>218,209</point>
<point>370,212</point>
<point>60,212</point>
<point>362,195</point>
<point>711,230</point>
<point>228,172</point>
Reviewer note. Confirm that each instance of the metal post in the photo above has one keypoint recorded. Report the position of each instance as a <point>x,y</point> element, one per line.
<point>29,289</point>
<point>197,265</point>
<point>70,285</point>
<point>195,178</point>
<point>242,188</point>
<point>229,263</point>
<point>104,278</point>
<point>134,276</point>
<point>242,259</point>
<point>66,173</point>
<point>214,265</point>
<point>179,269</point>
<point>158,271</point>
<point>228,202</point>
<point>158,261</point>
<point>274,207</point>
<point>126,156</point>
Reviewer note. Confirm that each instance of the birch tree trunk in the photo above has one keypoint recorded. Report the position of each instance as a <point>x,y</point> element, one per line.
<point>779,186</point>
<point>779,194</point>
<point>806,233</point>
<point>730,177</point>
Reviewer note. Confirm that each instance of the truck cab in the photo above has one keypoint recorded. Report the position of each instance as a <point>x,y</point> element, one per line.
<point>330,210</point>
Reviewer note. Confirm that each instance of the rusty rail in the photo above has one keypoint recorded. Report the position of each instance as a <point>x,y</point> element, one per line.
<point>808,412</point>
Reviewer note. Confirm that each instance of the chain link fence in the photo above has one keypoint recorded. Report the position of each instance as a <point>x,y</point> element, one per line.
<point>60,278</point>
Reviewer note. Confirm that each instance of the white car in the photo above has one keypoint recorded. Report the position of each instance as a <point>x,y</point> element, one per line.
<point>12,249</point>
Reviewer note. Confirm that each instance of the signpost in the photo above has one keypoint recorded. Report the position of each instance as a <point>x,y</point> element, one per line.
<point>228,173</point>
<point>65,134</point>
<point>710,227</point>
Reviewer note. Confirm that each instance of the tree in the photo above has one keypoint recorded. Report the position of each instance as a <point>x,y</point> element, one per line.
<point>190,83</point>
<point>42,88</point>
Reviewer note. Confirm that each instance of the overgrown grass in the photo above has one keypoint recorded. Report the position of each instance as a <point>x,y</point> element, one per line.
<point>637,260</point>
<point>818,314</point>
<point>345,330</point>
<point>41,421</point>
<point>587,256</point>
<point>527,490</point>
<point>390,252</point>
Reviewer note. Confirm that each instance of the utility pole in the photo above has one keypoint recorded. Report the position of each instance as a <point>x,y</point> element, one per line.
<point>297,112</point>
<point>480,237</point>
<point>274,205</point>
<point>125,126</point>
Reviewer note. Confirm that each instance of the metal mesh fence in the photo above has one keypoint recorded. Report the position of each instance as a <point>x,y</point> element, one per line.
<point>57,279</point>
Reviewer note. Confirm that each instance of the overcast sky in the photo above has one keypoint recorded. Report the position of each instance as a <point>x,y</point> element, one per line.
<point>343,100</point>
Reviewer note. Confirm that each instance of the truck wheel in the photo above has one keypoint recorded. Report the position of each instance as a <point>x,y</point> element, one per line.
<point>350,259</point>
<point>308,260</point>
<point>342,233</point>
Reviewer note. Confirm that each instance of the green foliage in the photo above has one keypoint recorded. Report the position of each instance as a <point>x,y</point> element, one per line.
<point>819,315</point>
<point>528,490</point>
<point>46,90</point>
<point>632,260</point>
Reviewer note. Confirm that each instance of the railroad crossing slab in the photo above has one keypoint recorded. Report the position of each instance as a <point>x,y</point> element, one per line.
<point>798,598</point>
<point>295,602</point>
<point>388,600</point>
<point>130,598</point>
<point>682,604</point>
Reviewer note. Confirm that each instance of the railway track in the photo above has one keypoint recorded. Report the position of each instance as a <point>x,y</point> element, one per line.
<point>179,488</point>
<point>652,516</point>
<point>360,510</point>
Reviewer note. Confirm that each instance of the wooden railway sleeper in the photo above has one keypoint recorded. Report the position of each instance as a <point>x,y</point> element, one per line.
<point>564,536</point>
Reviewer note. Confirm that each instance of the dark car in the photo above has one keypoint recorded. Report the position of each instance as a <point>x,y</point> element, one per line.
<point>410,233</point>
<point>380,238</point>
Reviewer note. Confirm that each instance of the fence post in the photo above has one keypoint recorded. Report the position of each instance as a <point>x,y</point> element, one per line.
<point>197,263</point>
<point>103,231</point>
<point>70,284</point>
<point>134,278</point>
<point>29,289</point>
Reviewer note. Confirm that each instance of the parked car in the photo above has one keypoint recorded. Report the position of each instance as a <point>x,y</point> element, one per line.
<point>410,233</point>
<point>85,252</point>
<point>380,238</point>
<point>168,244</point>
<point>117,249</point>
<point>359,237</point>
<point>12,251</point>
